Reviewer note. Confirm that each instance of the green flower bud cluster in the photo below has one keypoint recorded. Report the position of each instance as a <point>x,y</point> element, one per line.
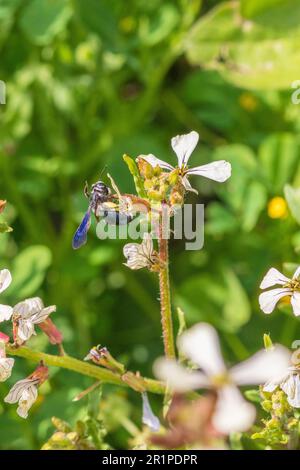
<point>280,430</point>
<point>159,185</point>
<point>86,435</point>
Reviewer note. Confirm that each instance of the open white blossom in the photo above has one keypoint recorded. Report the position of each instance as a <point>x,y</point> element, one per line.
<point>149,418</point>
<point>289,381</point>
<point>24,393</point>
<point>26,315</point>
<point>289,288</point>
<point>6,363</point>
<point>201,345</point>
<point>140,255</point>
<point>5,279</point>
<point>183,146</point>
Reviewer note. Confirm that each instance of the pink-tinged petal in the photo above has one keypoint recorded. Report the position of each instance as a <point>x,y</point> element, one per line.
<point>272,278</point>
<point>178,377</point>
<point>201,344</point>
<point>233,413</point>
<point>5,279</point>
<point>262,366</point>
<point>297,274</point>
<point>154,161</point>
<point>187,185</point>
<point>184,145</point>
<point>269,299</point>
<point>295,301</point>
<point>5,313</point>
<point>218,171</point>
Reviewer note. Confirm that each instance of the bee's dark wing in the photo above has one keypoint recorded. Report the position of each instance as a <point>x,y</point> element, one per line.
<point>80,236</point>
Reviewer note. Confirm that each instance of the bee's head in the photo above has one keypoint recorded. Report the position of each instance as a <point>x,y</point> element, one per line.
<point>100,188</point>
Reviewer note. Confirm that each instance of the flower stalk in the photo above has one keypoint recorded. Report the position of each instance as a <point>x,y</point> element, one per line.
<point>81,367</point>
<point>165,297</point>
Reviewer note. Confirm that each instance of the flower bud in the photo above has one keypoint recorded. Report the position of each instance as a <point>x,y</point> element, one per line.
<point>146,170</point>
<point>49,328</point>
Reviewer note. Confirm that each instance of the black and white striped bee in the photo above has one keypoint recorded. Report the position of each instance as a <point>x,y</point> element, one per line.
<point>101,204</point>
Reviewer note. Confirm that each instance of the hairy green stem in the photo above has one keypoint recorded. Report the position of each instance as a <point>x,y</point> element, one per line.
<point>165,298</point>
<point>81,367</point>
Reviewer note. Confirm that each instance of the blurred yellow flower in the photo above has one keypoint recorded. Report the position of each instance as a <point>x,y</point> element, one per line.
<point>248,102</point>
<point>277,208</point>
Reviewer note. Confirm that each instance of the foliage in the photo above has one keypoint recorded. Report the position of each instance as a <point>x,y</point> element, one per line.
<point>88,81</point>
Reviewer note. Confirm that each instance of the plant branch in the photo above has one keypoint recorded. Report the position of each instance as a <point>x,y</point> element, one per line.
<point>81,367</point>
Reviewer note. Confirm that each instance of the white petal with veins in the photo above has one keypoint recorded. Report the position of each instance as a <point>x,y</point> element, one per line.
<point>295,301</point>
<point>261,367</point>
<point>5,279</point>
<point>272,278</point>
<point>6,365</point>
<point>201,344</point>
<point>218,171</point>
<point>154,161</point>
<point>149,418</point>
<point>5,312</point>
<point>184,145</point>
<point>269,299</point>
<point>177,377</point>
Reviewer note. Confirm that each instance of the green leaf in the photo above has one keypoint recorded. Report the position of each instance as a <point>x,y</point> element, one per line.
<point>42,20</point>
<point>99,17</point>
<point>255,202</point>
<point>272,13</point>
<point>278,157</point>
<point>236,311</point>
<point>29,270</point>
<point>292,196</point>
<point>136,176</point>
<point>255,55</point>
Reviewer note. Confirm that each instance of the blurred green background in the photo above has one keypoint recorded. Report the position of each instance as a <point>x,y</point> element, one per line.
<point>88,80</point>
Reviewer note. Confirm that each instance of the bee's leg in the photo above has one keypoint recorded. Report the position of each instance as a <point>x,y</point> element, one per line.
<point>86,190</point>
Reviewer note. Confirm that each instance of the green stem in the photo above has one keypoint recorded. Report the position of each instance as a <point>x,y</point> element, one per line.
<point>81,367</point>
<point>165,298</point>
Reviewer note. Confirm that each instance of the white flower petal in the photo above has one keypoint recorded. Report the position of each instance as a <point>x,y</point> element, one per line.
<point>201,344</point>
<point>26,401</point>
<point>178,377</point>
<point>139,255</point>
<point>184,145</point>
<point>272,278</point>
<point>6,365</point>
<point>262,366</point>
<point>297,273</point>
<point>5,312</point>
<point>233,413</point>
<point>29,307</point>
<point>295,301</point>
<point>154,161</point>
<point>5,279</point>
<point>218,171</point>
<point>25,329</point>
<point>269,299</point>
<point>41,316</point>
<point>187,185</point>
<point>291,386</point>
<point>149,418</point>
<point>15,393</point>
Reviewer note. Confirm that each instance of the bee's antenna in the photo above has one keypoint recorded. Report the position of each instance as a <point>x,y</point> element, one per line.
<point>103,169</point>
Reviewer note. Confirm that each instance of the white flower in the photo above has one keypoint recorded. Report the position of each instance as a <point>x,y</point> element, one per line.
<point>25,315</point>
<point>140,255</point>
<point>289,383</point>
<point>201,345</point>
<point>183,146</point>
<point>5,279</point>
<point>25,393</point>
<point>6,363</point>
<point>149,418</point>
<point>290,288</point>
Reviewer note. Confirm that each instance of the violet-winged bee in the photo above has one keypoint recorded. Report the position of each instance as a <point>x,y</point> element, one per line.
<point>101,204</point>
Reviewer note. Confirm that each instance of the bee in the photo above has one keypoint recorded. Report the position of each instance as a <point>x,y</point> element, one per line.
<point>101,204</point>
